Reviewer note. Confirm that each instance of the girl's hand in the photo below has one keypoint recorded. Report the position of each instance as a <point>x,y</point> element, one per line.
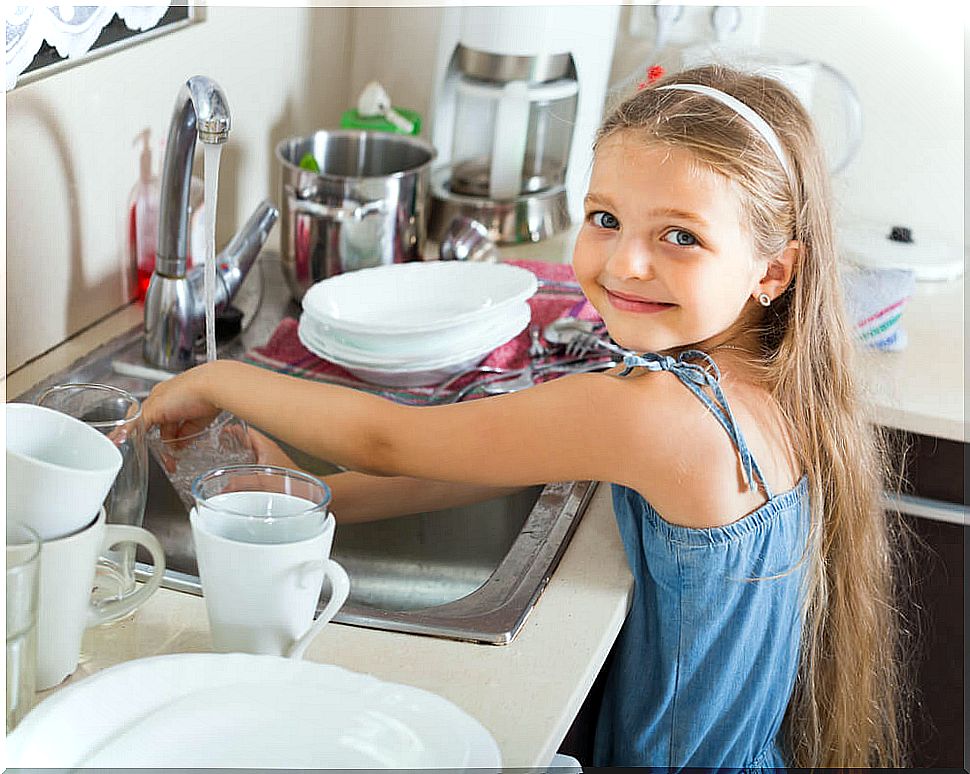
<point>268,452</point>
<point>181,406</point>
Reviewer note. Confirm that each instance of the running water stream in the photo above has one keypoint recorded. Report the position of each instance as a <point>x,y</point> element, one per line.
<point>211,177</point>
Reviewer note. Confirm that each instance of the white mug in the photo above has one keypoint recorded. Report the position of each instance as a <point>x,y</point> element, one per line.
<point>59,470</point>
<point>65,610</point>
<point>261,597</point>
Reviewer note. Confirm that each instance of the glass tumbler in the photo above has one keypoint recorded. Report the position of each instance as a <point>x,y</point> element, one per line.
<point>224,441</point>
<point>261,503</point>
<point>117,414</point>
<point>23,572</point>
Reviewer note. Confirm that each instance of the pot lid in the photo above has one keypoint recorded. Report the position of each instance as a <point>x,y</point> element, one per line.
<point>882,245</point>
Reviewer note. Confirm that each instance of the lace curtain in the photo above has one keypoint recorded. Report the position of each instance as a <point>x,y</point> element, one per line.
<point>71,29</point>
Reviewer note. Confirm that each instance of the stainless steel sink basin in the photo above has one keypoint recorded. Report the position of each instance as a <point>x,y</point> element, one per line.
<point>470,573</point>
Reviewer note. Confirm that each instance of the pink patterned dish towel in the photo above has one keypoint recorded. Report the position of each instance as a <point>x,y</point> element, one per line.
<point>284,352</point>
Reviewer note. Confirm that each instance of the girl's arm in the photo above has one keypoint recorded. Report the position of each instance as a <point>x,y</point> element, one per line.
<point>359,497</point>
<point>576,427</point>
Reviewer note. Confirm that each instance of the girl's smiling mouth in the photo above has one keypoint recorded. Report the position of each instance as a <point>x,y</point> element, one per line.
<point>626,302</point>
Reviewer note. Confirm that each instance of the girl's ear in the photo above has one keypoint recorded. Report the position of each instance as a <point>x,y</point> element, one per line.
<point>779,272</point>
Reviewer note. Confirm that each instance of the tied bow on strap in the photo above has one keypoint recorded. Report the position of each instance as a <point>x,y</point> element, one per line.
<point>707,374</point>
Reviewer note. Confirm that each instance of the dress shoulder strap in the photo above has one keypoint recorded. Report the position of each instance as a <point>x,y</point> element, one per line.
<point>697,376</point>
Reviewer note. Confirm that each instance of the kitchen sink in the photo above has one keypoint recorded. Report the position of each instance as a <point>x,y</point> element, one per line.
<point>469,573</point>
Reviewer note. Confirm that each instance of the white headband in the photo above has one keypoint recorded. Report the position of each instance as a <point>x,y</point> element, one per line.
<point>757,122</point>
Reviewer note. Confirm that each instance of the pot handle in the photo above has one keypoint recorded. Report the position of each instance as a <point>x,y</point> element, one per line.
<point>350,210</point>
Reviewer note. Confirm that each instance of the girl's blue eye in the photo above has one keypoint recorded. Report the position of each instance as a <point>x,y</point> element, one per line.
<point>681,238</point>
<point>604,219</point>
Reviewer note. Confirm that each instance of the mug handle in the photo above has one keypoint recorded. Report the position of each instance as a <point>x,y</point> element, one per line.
<point>340,589</point>
<point>116,608</point>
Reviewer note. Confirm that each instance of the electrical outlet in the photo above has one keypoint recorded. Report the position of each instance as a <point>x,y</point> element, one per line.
<point>695,25</point>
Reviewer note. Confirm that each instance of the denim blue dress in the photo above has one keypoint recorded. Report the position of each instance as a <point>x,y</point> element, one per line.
<point>706,661</point>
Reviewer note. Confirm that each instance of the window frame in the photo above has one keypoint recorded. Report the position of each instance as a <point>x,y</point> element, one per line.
<point>196,14</point>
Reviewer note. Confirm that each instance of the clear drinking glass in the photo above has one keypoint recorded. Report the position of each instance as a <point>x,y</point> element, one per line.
<point>117,414</point>
<point>225,441</point>
<point>23,572</point>
<point>261,503</point>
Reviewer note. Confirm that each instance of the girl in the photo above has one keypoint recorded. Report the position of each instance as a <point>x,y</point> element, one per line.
<point>746,480</point>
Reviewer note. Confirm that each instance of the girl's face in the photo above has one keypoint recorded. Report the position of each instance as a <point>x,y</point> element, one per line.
<point>663,255</point>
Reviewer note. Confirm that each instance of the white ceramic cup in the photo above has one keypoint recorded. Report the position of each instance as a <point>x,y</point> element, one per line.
<point>263,555</point>
<point>59,470</point>
<point>65,610</point>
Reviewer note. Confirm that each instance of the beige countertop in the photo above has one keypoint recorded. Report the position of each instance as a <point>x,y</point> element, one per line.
<point>528,692</point>
<point>922,389</point>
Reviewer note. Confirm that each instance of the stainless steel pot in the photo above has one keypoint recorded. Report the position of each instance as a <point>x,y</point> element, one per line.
<point>366,206</point>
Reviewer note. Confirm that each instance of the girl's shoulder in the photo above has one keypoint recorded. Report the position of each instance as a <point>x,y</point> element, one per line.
<point>682,459</point>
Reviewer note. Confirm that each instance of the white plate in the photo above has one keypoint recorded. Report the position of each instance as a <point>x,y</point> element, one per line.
<point>413,343</point>
<point>392,378</point>
<point>227,710</point>
<point>435,349</point>
<point>422,378</point>
<point>414,297</point>
<point>432,372</point>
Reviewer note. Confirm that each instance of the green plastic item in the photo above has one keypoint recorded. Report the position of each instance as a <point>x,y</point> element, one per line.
<point>309,163</point>
<point>351,119</point>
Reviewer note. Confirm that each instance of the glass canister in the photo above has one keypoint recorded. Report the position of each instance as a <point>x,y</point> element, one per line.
<point>511,139</point>
<point>551,121</point>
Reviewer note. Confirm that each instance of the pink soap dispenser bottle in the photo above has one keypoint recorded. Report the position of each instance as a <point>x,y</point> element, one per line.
<point>143,204</point>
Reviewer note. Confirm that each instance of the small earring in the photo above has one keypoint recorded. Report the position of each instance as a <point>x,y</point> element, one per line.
<point>764,299</point>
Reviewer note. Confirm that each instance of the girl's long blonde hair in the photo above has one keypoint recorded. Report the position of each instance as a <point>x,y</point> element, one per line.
<point>847,709</point>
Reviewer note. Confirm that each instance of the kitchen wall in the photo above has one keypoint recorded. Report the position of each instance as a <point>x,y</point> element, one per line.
<point>71,163</point>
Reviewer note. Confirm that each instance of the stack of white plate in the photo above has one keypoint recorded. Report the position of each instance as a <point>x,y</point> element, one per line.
<point>236,710</point>
<point>415,324</point>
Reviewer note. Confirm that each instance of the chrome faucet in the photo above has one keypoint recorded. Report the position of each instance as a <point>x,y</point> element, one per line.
<point>175,300</point>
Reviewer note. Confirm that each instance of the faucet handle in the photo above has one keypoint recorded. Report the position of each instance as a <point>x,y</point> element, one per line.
<point>236,259</point>
<point>246,243</point>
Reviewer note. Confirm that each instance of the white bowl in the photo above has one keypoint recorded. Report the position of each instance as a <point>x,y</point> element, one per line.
<point>417,374</point>
<point>423,348</point>
<point>510,328</point>
<point>407,298</point>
